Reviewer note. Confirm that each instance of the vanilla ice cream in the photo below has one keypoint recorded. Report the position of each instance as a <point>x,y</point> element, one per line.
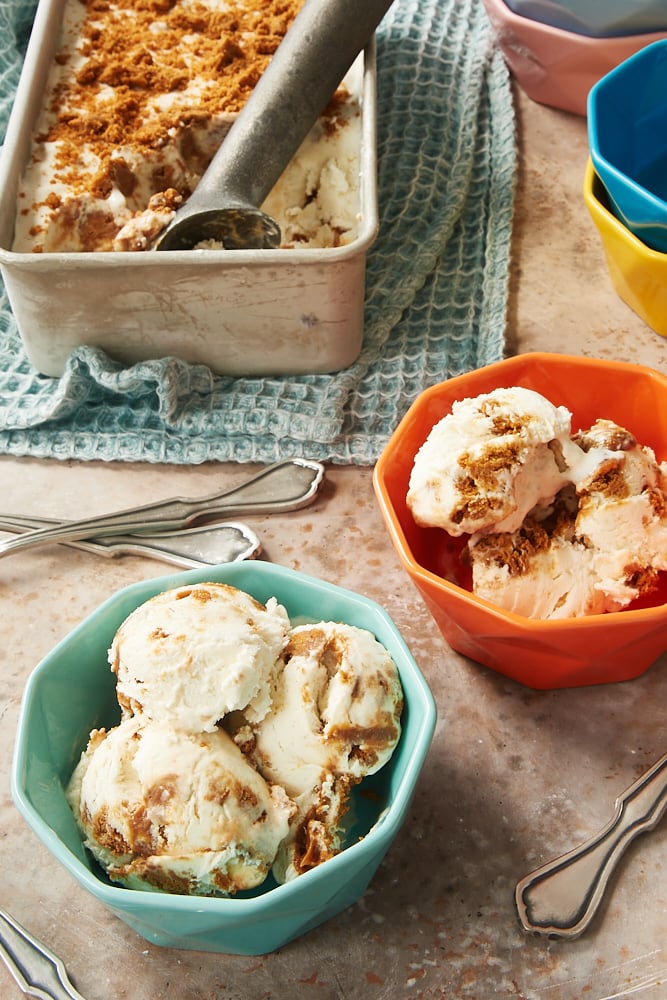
<point>541,570</point>
<point>581,532</point>
<point>139,98</point>
<point>191,655</point>
<point>241,737</point>
<point>335,718</point>
<point>622,514</point>
<point>486,464</point>
<point>174,811</point>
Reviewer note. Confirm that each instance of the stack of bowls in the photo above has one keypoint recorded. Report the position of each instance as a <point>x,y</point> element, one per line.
<point>625,185</point>
<point>558,49</point>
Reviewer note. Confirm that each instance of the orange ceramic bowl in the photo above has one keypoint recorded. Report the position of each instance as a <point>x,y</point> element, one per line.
<point>554,66</point>
<point>597,649</point>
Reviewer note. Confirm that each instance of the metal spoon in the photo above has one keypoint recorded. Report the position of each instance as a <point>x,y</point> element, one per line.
<point>561,898</point>
<point>229,541</point>
<point>309,64</point>
<point>37,971</point>
<point>285,486</point>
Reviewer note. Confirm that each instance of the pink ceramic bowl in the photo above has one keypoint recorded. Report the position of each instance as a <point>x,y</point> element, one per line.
<point>598,18</point>
<point>557,67</point>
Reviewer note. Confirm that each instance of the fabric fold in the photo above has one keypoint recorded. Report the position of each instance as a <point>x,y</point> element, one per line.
<point>436,285</point>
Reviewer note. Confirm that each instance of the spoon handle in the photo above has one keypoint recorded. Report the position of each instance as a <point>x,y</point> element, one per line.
<point>190,548</point>
<point>561,898</point>
<point>37,971</point>
<point>284,486</point>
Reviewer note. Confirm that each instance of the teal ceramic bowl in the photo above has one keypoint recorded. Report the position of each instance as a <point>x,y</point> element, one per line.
<point>72,691</point>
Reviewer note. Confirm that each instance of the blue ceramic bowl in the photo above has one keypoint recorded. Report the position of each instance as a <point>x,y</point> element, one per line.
<point>627,134</point>
<point>596,18</point>
<point>72,690</point>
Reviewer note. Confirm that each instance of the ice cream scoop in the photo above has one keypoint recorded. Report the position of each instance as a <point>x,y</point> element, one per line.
<point>163,809</point>
<point>597,547</point>
<point>336,717</point>
<point>309,64</point>
<point>486,464</point>
<point>191,655</point>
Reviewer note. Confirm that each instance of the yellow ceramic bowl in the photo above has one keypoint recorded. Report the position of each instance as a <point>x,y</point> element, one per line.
<point>638,273</point>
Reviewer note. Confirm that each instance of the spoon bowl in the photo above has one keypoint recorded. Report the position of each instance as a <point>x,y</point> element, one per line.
<point>241,228</point>
<point>222,542</point>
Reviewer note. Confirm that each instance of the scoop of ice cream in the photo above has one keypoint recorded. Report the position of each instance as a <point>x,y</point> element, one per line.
<point>486,464</point>
<point>600,548</point>
<point>336,718</point>
<point>167,810</point>
<point>192,654</point>
<point>621,466</point>
<point>622,515</point>
<point>538,571</point>
<point>336,707</point>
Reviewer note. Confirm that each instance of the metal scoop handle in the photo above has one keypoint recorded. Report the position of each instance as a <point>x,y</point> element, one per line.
<point>561,898</point>
<point>287,485</point>
<point>318,49</point>
<point>309,64</point>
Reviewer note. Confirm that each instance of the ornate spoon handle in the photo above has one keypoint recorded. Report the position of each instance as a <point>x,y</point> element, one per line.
<point>37,971</point>
<point>224,541</point>
<point>284,486</point>
<point>560,898</point>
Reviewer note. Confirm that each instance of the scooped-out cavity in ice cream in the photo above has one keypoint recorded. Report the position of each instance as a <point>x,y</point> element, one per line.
<point>241,737</point>
<point>558,523</point>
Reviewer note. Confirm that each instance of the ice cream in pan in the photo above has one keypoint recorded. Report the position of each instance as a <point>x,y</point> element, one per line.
<point>240,739</point>
<point>139,98</point>
<point>558,523</point>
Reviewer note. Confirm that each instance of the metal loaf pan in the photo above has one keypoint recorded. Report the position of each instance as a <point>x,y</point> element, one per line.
<point>265,312</point>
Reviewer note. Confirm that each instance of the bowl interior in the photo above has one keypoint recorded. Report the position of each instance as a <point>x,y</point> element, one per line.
<point>73,690</point>
<point>591,17</point>
<point>633,396</point>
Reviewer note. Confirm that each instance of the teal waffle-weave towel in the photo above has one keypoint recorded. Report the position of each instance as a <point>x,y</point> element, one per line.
<point>436,285</point>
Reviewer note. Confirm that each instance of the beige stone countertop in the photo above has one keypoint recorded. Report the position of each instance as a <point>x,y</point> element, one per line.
<point>514,777</point>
